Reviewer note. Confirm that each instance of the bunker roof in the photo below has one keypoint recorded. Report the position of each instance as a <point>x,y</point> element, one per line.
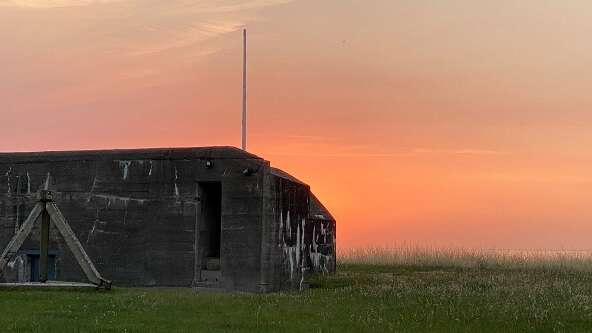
<point>318,211</point>
<point>219,152</point>
<point>282,174</point>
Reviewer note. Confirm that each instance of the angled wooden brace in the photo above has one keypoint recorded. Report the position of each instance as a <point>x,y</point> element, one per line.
<point>47,207</point>
<point>17,241</point>
<point>74,244</point>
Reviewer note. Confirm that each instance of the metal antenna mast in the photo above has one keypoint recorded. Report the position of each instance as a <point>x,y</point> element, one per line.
<point>244,127</point>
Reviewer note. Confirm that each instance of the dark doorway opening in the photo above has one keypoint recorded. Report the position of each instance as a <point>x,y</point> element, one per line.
<point>34,265</point>
<point>210,225</point>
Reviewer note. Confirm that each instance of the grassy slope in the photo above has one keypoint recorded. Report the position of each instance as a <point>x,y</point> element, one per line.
<point>358,298</point>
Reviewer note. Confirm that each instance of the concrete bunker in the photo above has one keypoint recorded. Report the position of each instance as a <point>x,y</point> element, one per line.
<point>208,217</point>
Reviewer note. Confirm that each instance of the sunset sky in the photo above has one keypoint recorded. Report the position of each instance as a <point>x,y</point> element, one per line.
<point>445,123</point>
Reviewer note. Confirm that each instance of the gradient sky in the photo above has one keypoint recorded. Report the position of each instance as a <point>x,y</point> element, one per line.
<point>445,123</point>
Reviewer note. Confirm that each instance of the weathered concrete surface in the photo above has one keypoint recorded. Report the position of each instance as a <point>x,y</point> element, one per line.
<point>323,246</point>
<point>49,284</point>
<point>303,241</point>
<point>138,212</point>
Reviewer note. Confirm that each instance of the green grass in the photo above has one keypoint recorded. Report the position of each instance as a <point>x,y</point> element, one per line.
<point>359,298</point>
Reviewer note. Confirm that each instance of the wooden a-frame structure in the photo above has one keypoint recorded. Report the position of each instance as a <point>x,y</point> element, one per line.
<point>47,209</point>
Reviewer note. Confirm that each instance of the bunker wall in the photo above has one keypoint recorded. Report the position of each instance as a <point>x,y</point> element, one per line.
<point>136,216</point>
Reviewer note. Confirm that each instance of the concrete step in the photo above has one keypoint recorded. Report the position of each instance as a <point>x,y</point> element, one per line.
<point>211,275</point>
<point>210,279</point>
<point>213,264</point>
<point>213,287</point>
<point>209,289</point>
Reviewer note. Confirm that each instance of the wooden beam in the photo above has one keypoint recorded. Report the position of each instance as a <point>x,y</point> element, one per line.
<point>17,241</point>
<point>74,244</point>
<point>44,247</point>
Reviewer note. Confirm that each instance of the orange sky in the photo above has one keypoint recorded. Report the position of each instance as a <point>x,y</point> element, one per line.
<point>452,123</point>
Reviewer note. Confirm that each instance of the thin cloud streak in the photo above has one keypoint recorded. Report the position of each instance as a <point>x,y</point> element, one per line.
<point>394,154</point>
<point>203,7</point>
<point>141,51</point>
<point>464,151</point>
<point>192,36</point>
<point>45,4</point>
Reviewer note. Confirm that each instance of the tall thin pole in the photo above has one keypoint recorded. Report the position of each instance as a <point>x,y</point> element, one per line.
<point>244,127</point>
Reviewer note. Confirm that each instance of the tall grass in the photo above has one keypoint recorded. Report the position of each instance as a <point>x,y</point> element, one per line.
<point>432,257</point>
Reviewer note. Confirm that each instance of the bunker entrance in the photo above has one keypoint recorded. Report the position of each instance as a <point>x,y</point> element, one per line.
<point>210,226</point>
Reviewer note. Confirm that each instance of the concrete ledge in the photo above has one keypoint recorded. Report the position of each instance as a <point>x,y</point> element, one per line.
<point>49,284</point>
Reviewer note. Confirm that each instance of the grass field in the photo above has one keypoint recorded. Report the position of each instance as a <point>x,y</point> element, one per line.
<point>373,291</point>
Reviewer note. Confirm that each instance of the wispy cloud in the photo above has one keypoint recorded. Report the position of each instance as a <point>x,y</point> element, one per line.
<point>314,148</point>
<point>193,35</point>
<point>53,3</point>
<point>307,138</point>
<point>209,6</point>
<point>460,151</point>
<point>332,146</point>
<point>146,28</point>
<point>371,154</point>
<point>136,43</point>
<point>226,6</point>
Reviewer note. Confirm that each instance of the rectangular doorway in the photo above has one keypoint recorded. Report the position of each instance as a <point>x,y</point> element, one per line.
<point>34,267</point>
<point>209,224</point>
